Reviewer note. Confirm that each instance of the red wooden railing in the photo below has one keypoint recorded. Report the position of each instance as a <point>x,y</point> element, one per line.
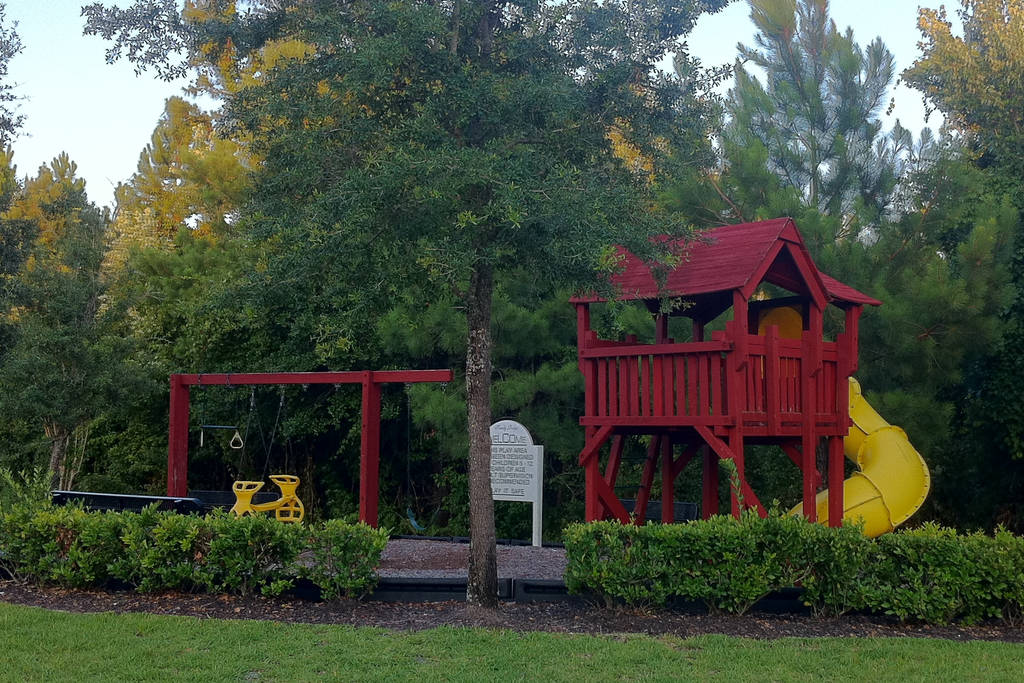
<point>655,384</point>
<point>775,381</point>
<point>687,384</point>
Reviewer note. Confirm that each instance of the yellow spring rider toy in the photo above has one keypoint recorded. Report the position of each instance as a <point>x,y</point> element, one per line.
<point>288,508</point>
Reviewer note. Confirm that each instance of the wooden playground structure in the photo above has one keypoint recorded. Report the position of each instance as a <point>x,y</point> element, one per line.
<point>770,377</point>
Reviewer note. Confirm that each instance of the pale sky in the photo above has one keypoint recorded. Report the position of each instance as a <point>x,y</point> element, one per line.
<point>103,115</point>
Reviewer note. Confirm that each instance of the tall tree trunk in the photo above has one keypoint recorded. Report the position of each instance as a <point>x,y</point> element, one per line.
<point>58,437</point>
<point>482,583</point>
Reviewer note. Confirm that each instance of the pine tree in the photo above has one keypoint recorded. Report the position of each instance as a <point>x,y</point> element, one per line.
<point>816,113</point>
<point>188,178</point>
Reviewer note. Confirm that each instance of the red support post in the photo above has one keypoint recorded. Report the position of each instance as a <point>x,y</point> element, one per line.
<point>661,328</point>
<point>851,330</point>
<point>369,452</point>
<point>736,368</point>
<point>772,374</point>
<point>808,452</point>
<point>668,482</point>
<point>709,499</point>
<point>810,362</point>
<point>698,331</point>
<point>647,479</point>
<point>683,460</point>
<point>177,439</point>
<point>796,456</point>
<point>611,472</point>
<point>593,507</point>
<point>835,481</point>
<point>736,446</point>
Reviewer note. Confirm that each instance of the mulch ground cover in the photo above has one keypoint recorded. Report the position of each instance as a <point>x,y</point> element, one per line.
<point>562,616</point>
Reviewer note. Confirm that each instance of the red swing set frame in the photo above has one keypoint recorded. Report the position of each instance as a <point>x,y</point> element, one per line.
<point>369,458</point>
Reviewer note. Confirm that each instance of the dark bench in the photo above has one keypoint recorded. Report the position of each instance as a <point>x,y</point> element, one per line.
<point>198,502</point>
<point>91,500</point>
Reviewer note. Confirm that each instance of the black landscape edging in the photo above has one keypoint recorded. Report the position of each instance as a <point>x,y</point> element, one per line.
<point>410,589</point>
<point>465,539</point>
<point>542,590</point>
<point>436,589</point>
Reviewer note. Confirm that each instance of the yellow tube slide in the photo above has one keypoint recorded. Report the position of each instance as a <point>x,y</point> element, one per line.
<point>893,480</point>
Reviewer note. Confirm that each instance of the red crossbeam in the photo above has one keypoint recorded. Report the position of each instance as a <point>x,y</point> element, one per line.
<point>342,377</point>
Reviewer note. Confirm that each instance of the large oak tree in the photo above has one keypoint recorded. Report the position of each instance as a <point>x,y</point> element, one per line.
<point>442,146</point>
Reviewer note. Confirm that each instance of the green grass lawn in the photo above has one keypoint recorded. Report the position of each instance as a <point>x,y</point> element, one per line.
<point>37,644</point>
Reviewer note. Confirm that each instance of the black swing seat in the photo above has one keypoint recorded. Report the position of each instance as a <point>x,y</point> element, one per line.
<point>91,500</point>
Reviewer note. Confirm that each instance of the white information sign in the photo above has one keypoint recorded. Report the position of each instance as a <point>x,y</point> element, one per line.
<point>517,469</point>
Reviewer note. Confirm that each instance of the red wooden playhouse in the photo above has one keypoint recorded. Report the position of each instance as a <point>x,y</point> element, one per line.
<point>770,377</point>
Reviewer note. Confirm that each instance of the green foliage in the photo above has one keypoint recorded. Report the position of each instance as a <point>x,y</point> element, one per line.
<point>957,71</point>
<point>65,360</point>
<point>935,575</point>
<point>29,488</point>
<point>63,545</point>
<point>833,562</point>
<point>726,563</point>
<point>10,46</point>
<point>929,574</point>
<point>19,550</point>
<point>166,552</point>
<point>153,551</point>
<point>186,175</point>
<point>344,558</point>
<point>814,121</point>
<point>255,553</point>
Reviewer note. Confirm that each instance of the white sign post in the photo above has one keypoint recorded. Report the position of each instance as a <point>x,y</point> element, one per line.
<point>517,469</point>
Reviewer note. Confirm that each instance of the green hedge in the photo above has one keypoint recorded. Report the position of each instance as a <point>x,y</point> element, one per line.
<point>156,551</point>
<point>344,558</point>
<point>929,574</point>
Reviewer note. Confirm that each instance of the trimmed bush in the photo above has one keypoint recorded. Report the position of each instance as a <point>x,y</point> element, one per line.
<point>929,574</point>
<point>834,559</point>
<point>936,575</point>
<point>166,551</point>
<point>67,546</point>
<point>157,551</point>
<point>344,558</point>
<point>725,563</point>
<point>251,554</point>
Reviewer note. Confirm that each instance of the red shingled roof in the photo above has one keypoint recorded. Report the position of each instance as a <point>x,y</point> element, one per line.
<point>840,293</point>
<point>729,258</point>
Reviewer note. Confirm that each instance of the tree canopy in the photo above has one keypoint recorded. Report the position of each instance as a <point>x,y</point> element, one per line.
<point>974,77</point>
<point>10,45</point>
<point>441,148</point>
